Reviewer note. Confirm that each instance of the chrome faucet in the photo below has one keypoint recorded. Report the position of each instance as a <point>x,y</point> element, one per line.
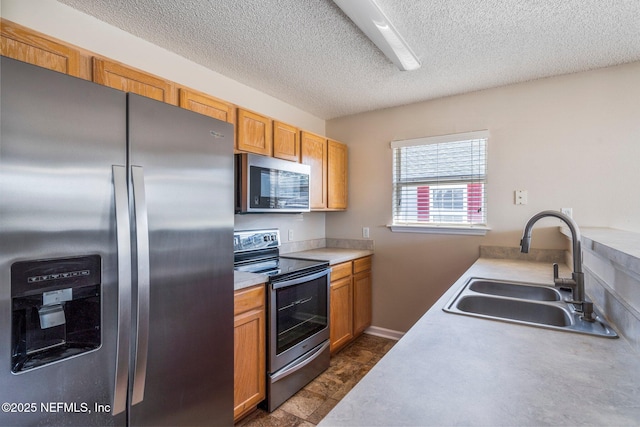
<point>576,282</point>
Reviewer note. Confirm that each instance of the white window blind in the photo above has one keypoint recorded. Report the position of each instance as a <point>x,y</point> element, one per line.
<point>440,181</point>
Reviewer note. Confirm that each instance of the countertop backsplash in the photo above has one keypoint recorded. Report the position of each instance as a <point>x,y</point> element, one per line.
<point>307,245</point>
<point>538,255</point>
<point>611,264</point>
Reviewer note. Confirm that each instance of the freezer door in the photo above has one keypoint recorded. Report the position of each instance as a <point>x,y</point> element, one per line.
<point>60,137</point>
<point>181,166</point>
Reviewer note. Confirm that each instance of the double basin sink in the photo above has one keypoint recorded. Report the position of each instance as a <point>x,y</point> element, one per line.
<point>525,303</point>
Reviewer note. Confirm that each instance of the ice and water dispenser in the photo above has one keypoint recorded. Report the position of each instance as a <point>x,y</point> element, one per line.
<point>56,310</point>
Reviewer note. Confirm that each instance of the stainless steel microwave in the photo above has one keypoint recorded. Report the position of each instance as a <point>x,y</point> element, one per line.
<point>265,184</point>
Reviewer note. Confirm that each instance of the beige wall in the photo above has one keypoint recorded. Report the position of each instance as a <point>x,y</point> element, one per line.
<point>571,141</point>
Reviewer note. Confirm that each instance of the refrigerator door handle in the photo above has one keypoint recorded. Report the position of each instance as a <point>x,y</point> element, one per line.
<point>142,245</point>
<point>124,289</point>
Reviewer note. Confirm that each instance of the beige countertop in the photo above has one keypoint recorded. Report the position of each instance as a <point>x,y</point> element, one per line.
<point>620,246</point>
<point>333,255</point>
<point>452,369</point>
<point>242,279</point>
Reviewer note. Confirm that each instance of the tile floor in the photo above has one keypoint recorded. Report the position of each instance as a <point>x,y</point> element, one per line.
<point>307,407</point>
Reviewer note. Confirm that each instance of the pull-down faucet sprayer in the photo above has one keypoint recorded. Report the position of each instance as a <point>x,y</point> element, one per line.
<point>576,282</point>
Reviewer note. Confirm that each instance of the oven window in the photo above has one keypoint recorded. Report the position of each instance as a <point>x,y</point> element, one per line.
<point>301,312</point>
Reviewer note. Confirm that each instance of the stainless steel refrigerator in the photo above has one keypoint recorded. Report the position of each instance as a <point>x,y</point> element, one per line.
<point>116,257</point>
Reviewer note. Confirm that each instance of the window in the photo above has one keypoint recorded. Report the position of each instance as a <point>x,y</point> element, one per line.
<point>439,182</point>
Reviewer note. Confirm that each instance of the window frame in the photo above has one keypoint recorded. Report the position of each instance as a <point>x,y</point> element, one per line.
<point>441,227</point>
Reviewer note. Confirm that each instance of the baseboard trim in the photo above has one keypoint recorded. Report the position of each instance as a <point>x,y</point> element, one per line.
<point>384,333</point>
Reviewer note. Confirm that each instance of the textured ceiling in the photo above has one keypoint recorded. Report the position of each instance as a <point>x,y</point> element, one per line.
<point>309,54</point>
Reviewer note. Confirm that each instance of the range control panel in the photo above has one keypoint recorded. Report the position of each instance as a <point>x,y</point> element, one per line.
<point>252,240</point>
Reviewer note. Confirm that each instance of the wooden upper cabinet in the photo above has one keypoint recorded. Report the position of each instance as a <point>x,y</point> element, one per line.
<point>207,105</point>
<point>28,46</point>
<point>119,76</point>
<point>286,142</point>
<point>254,133</point>
<point>313,152</point>
<point>336,175</point>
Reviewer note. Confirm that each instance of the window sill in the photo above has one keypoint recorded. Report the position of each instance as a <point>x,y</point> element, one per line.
<point>440,229</point>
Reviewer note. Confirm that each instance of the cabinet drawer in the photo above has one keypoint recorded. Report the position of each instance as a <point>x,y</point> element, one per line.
<point>362,264</point>
<point>339,271</point>
<point>248,299</point>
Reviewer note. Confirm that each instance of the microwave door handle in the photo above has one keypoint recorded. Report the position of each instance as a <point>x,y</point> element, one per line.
<point>298,280</point>
<point>142,247</point>
<point>123,336</point>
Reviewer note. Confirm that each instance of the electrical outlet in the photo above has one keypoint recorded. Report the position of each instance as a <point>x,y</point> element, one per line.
<point>365,232</point>
<point>290,234</point>
<point>567,211</point>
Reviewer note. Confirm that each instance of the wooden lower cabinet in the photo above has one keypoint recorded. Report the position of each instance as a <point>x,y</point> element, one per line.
<point>361,295</point>
<point>341,300</point>
<point>249,362</point>
<point>349,301</point>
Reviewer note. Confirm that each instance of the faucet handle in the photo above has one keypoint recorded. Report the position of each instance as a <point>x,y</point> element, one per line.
<point>568,284</point>
<point>587,311</point>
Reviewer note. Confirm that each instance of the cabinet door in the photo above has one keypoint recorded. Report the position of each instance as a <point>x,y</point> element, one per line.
<point>207,105</point>
<point>361,302</point>
<point>336,175</point>
<point>286,142</point>
<point>28,46</point>
<point>313,152</point>
<point>249,350</point>
<point>341,319</point>
<point>249,367</point>
<point>119,76</point>
<point>254,133</point>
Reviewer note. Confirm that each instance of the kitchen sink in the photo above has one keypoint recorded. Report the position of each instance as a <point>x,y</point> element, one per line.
<point>525,303</point>
<point>515,290</point>
<point>525,311</point>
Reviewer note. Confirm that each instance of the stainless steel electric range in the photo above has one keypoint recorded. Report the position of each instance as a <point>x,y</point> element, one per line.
<point>297,312</point>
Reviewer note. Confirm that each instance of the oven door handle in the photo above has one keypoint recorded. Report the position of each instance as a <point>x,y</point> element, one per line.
<point>300,363</point>
<point>298,280</point>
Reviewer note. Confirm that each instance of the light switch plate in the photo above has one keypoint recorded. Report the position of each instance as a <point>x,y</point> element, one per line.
<point>520,197</point>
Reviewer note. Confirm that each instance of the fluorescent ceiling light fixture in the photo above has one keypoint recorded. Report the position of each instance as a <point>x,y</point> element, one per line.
<point>368,16</point>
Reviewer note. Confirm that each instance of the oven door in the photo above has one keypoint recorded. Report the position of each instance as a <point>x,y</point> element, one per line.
<point>299,317</point>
